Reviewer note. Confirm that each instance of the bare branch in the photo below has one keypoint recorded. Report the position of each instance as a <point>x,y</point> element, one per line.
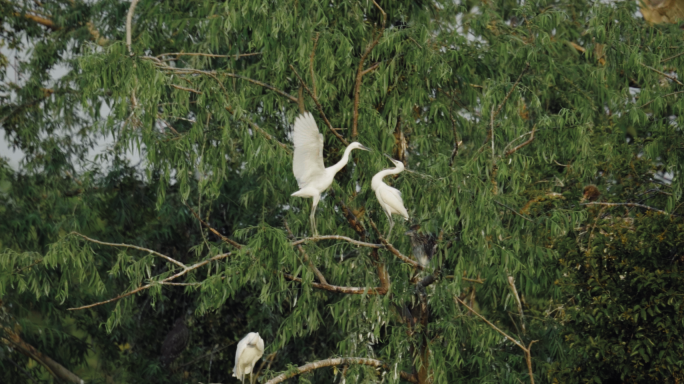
<point>478,281</point>
<point>528,356</point>
<point>523,144</point>
<point>40,20</point>
<point>511,283</point>
<point>672,57</point>
<point>664,96</point>
<point>56,369</point>
<point>177,54</point>
<point>320,108</point>
<point>129,21</point>
<point>311,65</point>
<point>162,282</point>
<point>187,89</point>
<point>178,263</point>
<point>514,211</point>
<point>360,72</point>
<point>336,237</point>
<point>662,73</point>
<point>629,205</point>
<point>215,232</point>
<point>394,251</point>
<point>340,361</point>
<point>315,270</point>
<point>337,288</point>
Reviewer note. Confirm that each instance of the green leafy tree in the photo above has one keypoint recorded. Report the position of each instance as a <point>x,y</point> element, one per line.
<point>502,114</point>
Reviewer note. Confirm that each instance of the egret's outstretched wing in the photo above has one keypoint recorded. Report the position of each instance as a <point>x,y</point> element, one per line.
<point>392,197</point>
<point>307,164</point>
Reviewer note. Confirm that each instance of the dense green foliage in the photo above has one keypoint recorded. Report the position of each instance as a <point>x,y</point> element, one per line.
<point>538,94</point>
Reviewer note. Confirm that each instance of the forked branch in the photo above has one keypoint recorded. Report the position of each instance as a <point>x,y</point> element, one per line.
<point>360,71</point>
<point>395,251</point>
<point>340,361</point>
<point>313,268</point>
<point>526,350</point>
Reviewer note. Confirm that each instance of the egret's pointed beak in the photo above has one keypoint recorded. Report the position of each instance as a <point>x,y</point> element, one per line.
<point>365,148</point>
<point>389,157</point>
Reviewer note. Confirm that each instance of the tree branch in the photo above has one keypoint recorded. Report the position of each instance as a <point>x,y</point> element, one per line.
<point>177,54</point>
<point>315,270</point>
<point>215,232</point>
<point>56,369</point>
<point>511,283</point>
<point>360,72</point>
<point>340,361</point>
<point>528,356</point>
<point>162,282</point>
<point>629,205</point>
<point>129,21</point>
<point>178,263</point>
<point>514,211</point>
<point>40,20</point>
<point>664,96</point>
<point>311,65</point>
<point>340,289</point>
<point>320,108</point>
<point>336,237</point>
<point>662,73</point>
<point>506,154</point>
<point>394,251</point>
<point>262,132</point>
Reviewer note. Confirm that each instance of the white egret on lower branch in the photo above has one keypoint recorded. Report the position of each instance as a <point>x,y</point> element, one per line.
<point>312,176</point>
<point>249,351</point>
<point>388,197</point>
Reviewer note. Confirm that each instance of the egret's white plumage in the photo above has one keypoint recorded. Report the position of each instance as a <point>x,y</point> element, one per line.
<point>389,198</point>
<point>312,176</point>
<point>249,351</point>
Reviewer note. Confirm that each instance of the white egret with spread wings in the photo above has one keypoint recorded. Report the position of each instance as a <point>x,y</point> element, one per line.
<point>311,174</point>
<point>249,351</point>
<point>389,198</point>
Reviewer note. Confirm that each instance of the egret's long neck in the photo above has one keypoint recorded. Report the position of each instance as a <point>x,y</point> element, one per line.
<point>343,161</point>
<point>377,179</point>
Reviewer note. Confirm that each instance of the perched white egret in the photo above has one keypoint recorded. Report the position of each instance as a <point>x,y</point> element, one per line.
<point>311,174</point>
<point>249,351</point>
<point>388,197</point>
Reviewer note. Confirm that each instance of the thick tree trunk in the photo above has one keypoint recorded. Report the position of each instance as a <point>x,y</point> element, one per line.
<point>55,368</point>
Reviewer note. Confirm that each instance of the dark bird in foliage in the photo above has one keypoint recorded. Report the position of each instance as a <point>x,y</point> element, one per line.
<point>590,193</point>
<point>423,245</point>
<point>175,342</point>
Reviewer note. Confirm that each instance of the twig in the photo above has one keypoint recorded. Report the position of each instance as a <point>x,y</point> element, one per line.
<point>320,107</point>
<point>311,65</point>
<point>187,89</point>
<point>394,251</point>
<point>511,283</point>
<point>315,270</point>
<point>340,361</point>
<point>528,356</point>
<point>527,66</point>
<point>23,371</point>
<point>664,96</point>
<point>207,54</point>
<point>336,237</point>
<point>479,281</point>
<point>178,263</point>
<point>150,285</point>
<point>526,143</point>
<point>662,73</point>
<point>215,232</point>
<point>672,57</point>
<point>518,138</point>
<point>628,205</point>
<point>360,71</point>
<point>514,211</point>
<point>340,289</point>
<point>129,20</point>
